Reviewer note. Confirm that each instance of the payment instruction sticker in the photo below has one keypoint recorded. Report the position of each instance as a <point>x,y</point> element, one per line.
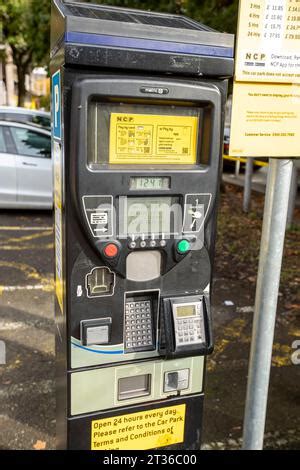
<point>152,139</point>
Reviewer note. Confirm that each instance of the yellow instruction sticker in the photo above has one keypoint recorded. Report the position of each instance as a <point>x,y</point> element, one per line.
<point>151,139</point>
<point>139,431</point>
<point>265,120</point>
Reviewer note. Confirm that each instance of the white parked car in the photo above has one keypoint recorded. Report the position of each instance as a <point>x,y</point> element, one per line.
<point>30,116</point>
<point>25,166</point>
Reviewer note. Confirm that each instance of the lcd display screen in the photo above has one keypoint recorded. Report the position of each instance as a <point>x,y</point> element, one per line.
<point>150,215</point>
<point>185,310</point>
<point>149,182</point>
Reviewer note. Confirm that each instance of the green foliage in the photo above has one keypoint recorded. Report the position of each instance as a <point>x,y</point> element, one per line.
<point>45,102</point>
<point>26,24</point>
<point>26,28</point>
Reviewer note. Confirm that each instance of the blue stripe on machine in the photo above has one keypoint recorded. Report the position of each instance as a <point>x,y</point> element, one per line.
<point>147,44</point>
<point>98,351</point>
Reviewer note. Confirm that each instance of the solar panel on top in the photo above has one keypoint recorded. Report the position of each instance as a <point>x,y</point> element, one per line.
<point>99,14</point>
<point>134,17</point>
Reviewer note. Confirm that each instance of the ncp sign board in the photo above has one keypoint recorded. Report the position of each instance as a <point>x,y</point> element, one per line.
<point>268,41</point>
<point>265,118</point>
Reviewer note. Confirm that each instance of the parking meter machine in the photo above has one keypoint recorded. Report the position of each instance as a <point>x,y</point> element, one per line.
<point>137,121</point>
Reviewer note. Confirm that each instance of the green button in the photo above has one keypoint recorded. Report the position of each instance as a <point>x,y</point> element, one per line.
<point>183,246</point>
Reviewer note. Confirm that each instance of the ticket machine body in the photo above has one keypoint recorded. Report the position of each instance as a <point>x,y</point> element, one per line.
<point>137,142</point>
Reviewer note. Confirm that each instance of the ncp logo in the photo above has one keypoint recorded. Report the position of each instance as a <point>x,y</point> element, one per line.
<point>257,56</point>
<point>125,119</point>
<point>295,358</point>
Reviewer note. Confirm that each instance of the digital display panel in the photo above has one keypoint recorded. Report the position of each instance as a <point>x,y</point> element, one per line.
<point>150,215</point>
<point>149,182</point>
<point>185,311</point>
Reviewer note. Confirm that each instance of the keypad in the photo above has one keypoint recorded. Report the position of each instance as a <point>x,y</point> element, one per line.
<point>189,330</point>
<point>138,325</point>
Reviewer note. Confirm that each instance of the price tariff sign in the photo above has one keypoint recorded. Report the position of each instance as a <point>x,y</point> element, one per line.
<point>268,46</point>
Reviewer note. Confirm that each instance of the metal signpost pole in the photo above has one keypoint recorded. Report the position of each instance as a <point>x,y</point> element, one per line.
<point>293,196</point>
<point>248,185</point>
<point>271,248</point>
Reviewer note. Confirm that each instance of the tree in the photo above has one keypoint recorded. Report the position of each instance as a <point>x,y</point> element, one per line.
<point>26,25</point>
<point>218,14</point>
<point>26,28</point>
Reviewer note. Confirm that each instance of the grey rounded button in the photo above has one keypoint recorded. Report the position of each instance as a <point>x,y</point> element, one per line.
<point>152,243</point>
<point>143,244</point>
<point>162,242</point>
<point>132,245</point>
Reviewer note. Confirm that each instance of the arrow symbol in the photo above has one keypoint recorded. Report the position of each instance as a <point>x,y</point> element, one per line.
<point>194,222</point>
<point>101,229</point>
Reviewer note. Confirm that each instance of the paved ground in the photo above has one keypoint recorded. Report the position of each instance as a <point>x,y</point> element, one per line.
<point>27,403</point>
<point>227,374</point>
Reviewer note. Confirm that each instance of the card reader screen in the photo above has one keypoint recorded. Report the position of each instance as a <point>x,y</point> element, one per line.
<point>185,311</point>
<point>150,215</point>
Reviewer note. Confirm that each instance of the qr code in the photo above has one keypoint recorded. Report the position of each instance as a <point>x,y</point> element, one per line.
<point>185,150</point>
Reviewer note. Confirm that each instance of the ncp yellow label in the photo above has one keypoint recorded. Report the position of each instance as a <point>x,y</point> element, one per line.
<point>139,431</point>
<point>152,139</point>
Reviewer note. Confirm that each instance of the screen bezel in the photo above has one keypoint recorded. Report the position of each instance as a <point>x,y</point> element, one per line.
<point>203,144</point>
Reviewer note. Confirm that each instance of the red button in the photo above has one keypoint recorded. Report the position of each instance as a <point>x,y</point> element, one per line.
<point>111,250</point>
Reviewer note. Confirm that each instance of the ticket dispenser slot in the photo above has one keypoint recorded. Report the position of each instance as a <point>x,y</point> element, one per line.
<point>134,387</point>
<point>186,327</point>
